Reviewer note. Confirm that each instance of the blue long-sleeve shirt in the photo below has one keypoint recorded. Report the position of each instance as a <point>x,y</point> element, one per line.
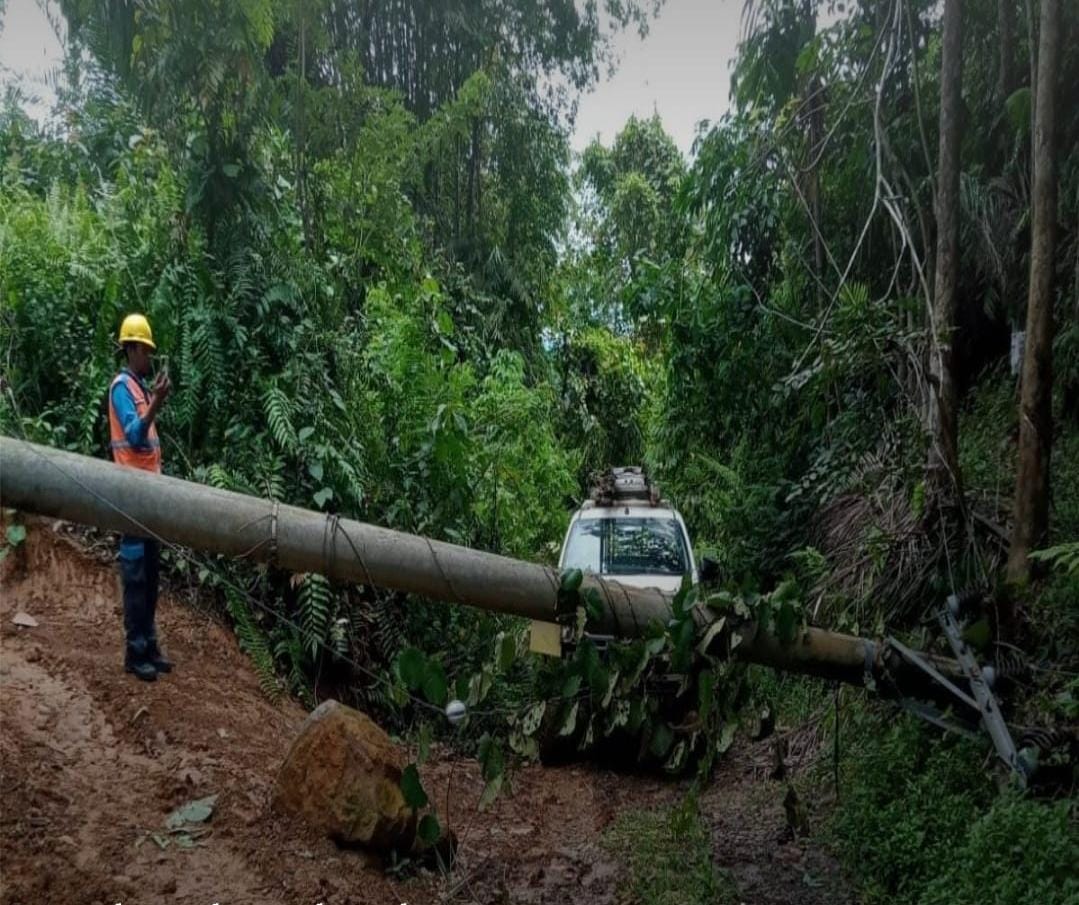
<point>123,403</point>
<point>135,430</point>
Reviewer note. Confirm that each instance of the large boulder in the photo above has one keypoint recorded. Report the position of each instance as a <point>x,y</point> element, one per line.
<point>343,776</point>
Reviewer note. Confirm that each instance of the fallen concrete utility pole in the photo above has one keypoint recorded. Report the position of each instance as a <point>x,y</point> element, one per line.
<point>90,491</point>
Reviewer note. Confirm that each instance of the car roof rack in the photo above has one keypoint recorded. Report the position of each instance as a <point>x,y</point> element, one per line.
<point>627,484</point>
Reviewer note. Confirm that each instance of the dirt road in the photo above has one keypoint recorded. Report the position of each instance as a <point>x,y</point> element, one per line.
<point>93,761</point>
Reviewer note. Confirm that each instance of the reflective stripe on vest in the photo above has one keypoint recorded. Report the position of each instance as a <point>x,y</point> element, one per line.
<point>146,456</point>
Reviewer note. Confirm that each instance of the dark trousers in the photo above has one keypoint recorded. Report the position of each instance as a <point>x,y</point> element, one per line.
<point>140,575</point>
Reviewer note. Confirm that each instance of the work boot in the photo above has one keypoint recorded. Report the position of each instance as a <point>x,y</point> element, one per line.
<point>142,670</point>
<point>157,659</point>
<point>137,662</point>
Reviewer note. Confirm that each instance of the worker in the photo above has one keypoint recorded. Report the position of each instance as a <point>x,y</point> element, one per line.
<point>133,410</point>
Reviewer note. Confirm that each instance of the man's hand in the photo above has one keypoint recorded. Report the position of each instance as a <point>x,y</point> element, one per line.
<point>162,387</point>
<point>160,392</point>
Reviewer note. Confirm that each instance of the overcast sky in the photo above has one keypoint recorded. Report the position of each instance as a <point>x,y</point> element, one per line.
<point>29,51</point>
<point>680,70</point>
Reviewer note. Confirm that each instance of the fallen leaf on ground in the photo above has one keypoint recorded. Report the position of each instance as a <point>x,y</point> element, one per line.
<point>198,811</point>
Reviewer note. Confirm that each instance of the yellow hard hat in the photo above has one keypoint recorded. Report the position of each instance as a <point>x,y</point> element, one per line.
<point>136,329</point>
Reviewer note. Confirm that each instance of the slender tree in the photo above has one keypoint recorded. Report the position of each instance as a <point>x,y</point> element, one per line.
<point>1036,391</point>
<point>1006,76</point>
<point>943,396</point>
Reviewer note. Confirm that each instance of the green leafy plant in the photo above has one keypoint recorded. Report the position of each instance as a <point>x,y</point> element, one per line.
<point>919,822</point>
<point>667,854</point>
<point>14,535</point>
<point>1061,556</point>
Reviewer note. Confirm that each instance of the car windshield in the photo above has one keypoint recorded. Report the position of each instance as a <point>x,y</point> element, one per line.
<point>627,546</point>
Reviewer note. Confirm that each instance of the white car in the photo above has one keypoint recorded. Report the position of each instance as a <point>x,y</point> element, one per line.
<point>643,546</point>
<point>628,533</point>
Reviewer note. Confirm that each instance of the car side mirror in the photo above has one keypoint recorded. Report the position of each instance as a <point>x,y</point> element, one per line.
<point>709,570</point>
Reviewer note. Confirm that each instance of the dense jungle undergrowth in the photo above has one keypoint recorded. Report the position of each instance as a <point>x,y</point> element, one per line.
<point>385,287</point>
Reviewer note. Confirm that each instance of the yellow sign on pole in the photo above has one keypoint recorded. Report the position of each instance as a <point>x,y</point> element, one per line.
<point>545,638</point>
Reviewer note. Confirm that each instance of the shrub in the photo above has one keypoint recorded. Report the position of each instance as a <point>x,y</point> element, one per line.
<point>920,821</point>
<point>1017,851</point>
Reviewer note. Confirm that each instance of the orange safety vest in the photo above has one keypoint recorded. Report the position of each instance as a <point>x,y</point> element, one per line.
<point>146,456</point>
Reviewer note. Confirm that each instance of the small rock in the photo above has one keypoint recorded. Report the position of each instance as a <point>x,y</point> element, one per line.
<point>191,776</point>
<point>33,655</point>
<point>24,619</point>
<point>222,733</point>
<point>66,840</point>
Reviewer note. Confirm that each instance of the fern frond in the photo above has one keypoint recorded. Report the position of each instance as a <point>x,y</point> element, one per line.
<point>271,477</point>
<point>339,637</point>
<point>1063,556</point>
<point>318,607</point>
<point>211,360</point>
<point>256,645</point>
<point>278,410</point>
<point>290,649</point>
<point>218,477</point>
<point>185,405</point>
<point>350,475</point>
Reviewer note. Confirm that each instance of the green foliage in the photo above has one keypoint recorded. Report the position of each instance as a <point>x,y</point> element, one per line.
<point>668,857</point>
<point>256,645</point>
<point>987,460</point>
<point>607,384</point>
<point>337,375</point>
<point>628,191</point>
<point>429,831</point>
<point>1018,851</point>
<point>621,701</point>
<point>492,767</point>
<point>14,534</point>
<point>418,673</point>
<point>1062,556</point>
<point>382,292</point>
<point>316,609</point>
<point>412,788</point>
<point>920,822</point>
<point>522,473</point>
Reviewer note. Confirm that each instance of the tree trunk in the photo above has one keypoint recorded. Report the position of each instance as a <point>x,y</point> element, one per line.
<point>813,117</point>
<point>1006,73</point>
<point>1036,390</point>
<point>815,114</point>
<point>473,179</point>
<point>943,471</point>
<point>1006,84</point>
<point>301,138</point>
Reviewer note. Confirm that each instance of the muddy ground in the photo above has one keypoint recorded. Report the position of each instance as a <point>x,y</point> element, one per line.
<point>93,761</point>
